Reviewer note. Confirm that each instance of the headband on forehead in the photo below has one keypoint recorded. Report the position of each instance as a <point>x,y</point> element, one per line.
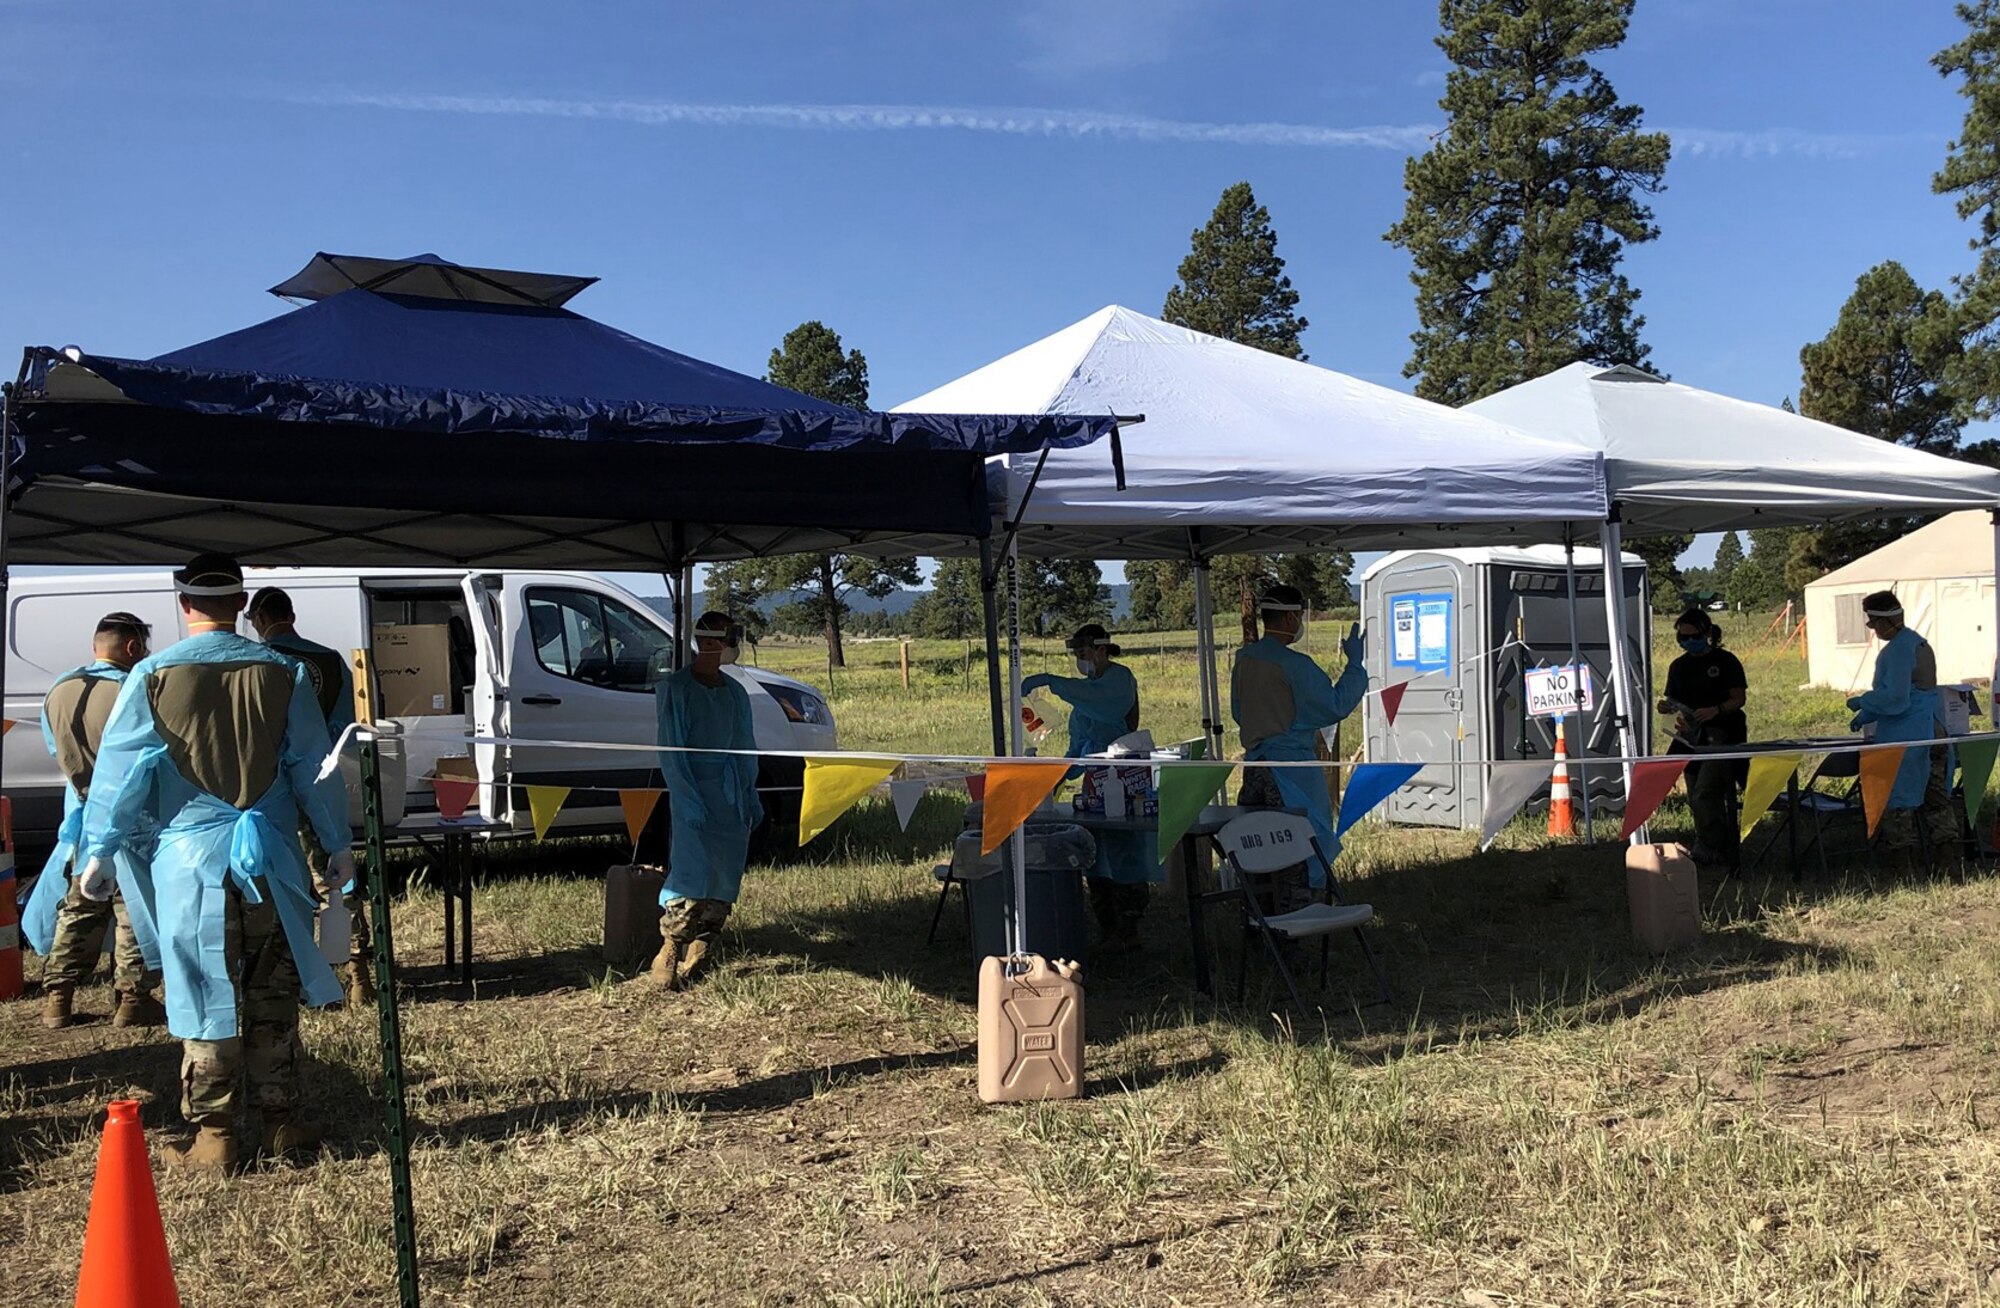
<point>206,587</point>
<point>1894,610</point>
<point>1274,606</point>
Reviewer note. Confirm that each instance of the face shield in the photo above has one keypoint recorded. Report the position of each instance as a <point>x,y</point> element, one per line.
<point>727,641</point>
<point>1287,617</point>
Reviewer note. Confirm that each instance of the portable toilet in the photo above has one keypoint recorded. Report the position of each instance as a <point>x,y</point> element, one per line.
<point>1479,636</point>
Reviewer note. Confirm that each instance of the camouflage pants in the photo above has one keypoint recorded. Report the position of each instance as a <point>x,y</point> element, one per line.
<point>688,920</point>
<point>265,1050</point>
<point>79,939</point>
<point>1291,888</point>
<point>357,903</point>
<point>1937,815</point>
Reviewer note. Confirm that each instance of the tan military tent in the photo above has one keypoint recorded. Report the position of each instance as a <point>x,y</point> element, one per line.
<point>1943,573</point>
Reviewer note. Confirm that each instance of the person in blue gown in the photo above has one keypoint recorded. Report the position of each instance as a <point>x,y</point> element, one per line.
<point>712,799</point>
<point>1282,700</point>
<point>1904,704</point>
<point>1104,704</point>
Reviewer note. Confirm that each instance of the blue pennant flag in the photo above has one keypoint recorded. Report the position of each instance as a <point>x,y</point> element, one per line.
<point>1370,785</point>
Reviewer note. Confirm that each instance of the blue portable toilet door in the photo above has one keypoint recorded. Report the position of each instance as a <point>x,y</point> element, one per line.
<point>1424,631</point>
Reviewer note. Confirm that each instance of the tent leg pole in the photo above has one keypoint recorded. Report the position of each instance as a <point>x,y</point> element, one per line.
<point>1580,747</point>
<point>389,1027</point>
<point>1018,844</point>
<point>1624,704</point>
<point>1205,655</point>
<point>6,581</point>
<point>990,611</point>
<point>1992,696</point>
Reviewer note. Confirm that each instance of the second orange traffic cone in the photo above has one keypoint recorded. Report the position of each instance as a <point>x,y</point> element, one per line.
<point>125,1262</point>
<point>1562,819</point>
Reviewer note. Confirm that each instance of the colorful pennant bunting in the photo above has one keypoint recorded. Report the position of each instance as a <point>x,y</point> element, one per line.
<point>1509,787</point>
<point>638,806</point>
<point>1652,781</point>
<point>906,795</point>
<point>1370,784</point>
<point>1878,778</point>
<point>1392,700</point>
<point>1184,793</point>
<point>1011,792</point>
<point>1768,773</point>
<point>6,725</point>
<point>453,797</point>
<point>975,786</point>
<point>544,802</point>
<point>834,785</point>
<point>1975,763</point>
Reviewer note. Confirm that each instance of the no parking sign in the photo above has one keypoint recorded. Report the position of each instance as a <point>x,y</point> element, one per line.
<point>1560,692</point>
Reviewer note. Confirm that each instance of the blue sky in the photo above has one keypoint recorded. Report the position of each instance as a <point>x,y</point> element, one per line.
<point>941,183</point>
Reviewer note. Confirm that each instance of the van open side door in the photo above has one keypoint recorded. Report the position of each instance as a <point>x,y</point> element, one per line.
<point>486,701</point>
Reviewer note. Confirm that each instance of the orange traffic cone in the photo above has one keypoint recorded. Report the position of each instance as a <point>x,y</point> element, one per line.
<point>1562,821</point>
<point>125,1261</point>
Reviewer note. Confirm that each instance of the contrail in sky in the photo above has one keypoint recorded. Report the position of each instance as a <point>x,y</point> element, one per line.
<point>1061,123</point>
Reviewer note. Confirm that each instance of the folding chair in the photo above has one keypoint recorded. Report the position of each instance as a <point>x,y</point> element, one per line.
<point>946,879</point>
<point>1260,845</point>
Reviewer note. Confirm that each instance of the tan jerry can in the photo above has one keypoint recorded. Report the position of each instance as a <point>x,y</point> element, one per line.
<point>1030,1031</point>
<point>632,914</point>
<point>1665,896</point>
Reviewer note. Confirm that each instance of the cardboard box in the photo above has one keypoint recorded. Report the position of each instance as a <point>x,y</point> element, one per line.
<point>455,767</point>
<point>412,669</point>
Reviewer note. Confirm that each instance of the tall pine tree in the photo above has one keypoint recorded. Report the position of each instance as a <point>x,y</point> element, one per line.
<point>1728,558</point>
<point>1233,285</point>
<point>1517,218</point>
<point>1972,174</point>
<point>812,361</point>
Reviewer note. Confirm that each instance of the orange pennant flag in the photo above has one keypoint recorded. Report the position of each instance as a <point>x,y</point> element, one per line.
<point>1012,792</point>
<point>6,725</point>
<point>638,806</point>
<point>1878,778</point>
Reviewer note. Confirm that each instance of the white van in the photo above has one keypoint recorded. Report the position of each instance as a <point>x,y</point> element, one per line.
<point>555,656</point>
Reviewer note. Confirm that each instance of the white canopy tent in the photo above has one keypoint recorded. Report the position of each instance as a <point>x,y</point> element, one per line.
<point>1679,459</point>
<point>1943,573</point>
<point>1243,451</point>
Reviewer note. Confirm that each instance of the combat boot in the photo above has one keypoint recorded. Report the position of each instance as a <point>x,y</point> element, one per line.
<point>213,1148</point>
<point>695,956</point>
<point>137,1009</point>
<point>359,979</point>
<point>667,964</point>
<point>287,1137</point>
<point>59,1007</point>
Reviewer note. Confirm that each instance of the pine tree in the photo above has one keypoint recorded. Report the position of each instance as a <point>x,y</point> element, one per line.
<point>1881,371</point>
<point>1728,558</point>
<point>738,590</point>
<point>1663,576</point>
<point>1076,594</point>
<point>811,361</point>
<point>1517,218</point>
<point>951,609</point>
<point>1233,284</point>
<point>1972,173</point>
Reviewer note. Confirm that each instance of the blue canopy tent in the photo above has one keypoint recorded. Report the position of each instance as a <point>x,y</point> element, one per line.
<point>374,427</point>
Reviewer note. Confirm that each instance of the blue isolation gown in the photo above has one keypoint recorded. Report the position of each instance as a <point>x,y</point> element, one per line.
<point>712,797</point>
<point>1901,712</point>
<point>1318,701</point>
<point>206,844</point>
<point>1100,706</point>
<point>38,916</point>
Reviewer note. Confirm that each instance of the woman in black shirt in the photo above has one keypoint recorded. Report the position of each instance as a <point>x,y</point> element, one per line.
<point>1706,690</point>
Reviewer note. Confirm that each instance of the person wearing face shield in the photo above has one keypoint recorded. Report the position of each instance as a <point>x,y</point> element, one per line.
<point>1904,704</point>
<point>712,800</point>
<point>1705,693</point>
<point>1281,700</point>
<point>1104,704</point>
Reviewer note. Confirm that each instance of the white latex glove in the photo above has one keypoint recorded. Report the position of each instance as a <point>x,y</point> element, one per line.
<point>336,931</point>
<point>98,881</point>
<point>339,871</point>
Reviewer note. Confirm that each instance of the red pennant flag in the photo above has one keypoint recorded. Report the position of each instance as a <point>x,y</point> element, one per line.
<point>975,786</point>
<point>1392,699</point>
<point>453,796</point>
<point>1652,780</point>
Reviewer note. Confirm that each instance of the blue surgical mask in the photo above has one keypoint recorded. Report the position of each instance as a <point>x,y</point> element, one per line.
<point>1695,644</point>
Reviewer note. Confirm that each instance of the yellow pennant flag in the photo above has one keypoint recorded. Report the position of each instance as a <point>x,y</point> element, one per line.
<point>1878,778</point>
<point>1012,792</point>
<point>544,802</point>
<point>638,806</point>
<point>834,785</point>
<point>1768,773</point>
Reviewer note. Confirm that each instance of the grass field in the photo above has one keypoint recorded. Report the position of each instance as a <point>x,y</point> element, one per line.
<point>1801,1110</point>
